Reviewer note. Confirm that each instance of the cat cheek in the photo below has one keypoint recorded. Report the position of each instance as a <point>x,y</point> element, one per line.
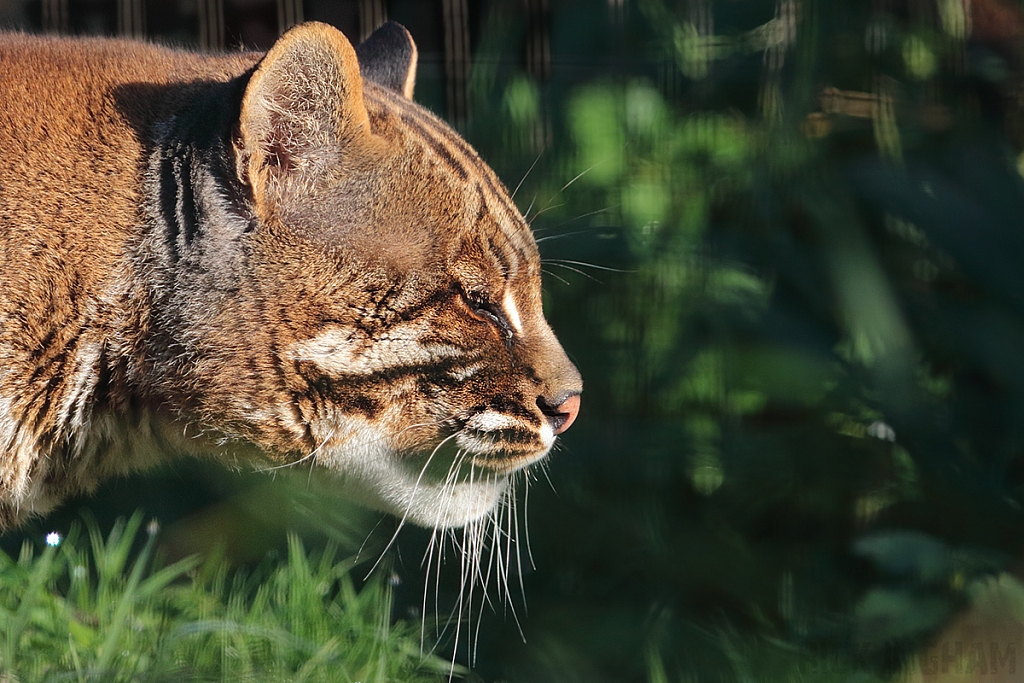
<point>348,351</point>
<point>462,374</point>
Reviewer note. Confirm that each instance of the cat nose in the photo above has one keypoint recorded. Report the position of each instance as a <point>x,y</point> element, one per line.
<point>561,411</point>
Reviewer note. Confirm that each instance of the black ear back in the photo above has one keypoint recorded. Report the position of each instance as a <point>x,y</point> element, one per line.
<point>388,58</point>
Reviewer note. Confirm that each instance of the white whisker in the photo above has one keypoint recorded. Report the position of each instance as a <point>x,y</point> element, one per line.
<point>519,556</point>
<point>312,454</point>
<point>560,279</point>
<point>412,499</point>
<point>546,228</point>
<point>527,174</point>
<point>526,518</point>
<point>544,211</point>
<point>584,264</point>
<point>428,558</point>
<point>529,209</point>
<point>449,485</point>
<point>562,235</point>
<point>578,176</point>
<point>575,270</point>
<point>489,550</point>
<point>544,470</point>
<point>509,506</point>
<point>548,207</point>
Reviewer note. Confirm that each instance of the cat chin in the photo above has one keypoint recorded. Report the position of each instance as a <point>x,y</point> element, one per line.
<point>446,507</point>
<point>395,485</point>
<point>427,490</point>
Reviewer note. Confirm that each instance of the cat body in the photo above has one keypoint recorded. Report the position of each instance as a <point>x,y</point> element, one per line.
<point>270,257</point>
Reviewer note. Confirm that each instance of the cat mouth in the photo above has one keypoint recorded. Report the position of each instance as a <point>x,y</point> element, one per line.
<point>461,478</point>
<point>503,452</point>
<point>508,463</point>
<point>504,444</point>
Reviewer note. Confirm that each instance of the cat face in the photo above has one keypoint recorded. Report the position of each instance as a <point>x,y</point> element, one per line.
<point>409,345</point>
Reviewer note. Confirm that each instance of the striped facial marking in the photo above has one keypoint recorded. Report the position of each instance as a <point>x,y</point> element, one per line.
<point>350,351</point>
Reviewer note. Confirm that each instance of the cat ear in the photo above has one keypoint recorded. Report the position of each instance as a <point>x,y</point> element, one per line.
<point>304,100</point>
<point>388,58</point>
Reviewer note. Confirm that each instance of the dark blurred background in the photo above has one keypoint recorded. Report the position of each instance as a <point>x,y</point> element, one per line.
<point>783,242</point>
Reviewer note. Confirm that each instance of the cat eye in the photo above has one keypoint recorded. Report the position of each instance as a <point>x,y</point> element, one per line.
<point>489,312</point>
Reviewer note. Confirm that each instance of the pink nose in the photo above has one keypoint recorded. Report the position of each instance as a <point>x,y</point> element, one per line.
<point>566,413</point>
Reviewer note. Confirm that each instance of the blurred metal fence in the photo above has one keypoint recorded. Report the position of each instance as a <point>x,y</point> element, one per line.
<point>446,30</point>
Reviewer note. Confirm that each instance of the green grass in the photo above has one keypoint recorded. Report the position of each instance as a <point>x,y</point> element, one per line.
<point>98,609</point>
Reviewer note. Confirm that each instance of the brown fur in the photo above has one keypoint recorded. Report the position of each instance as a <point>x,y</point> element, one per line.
<point>260,257</point>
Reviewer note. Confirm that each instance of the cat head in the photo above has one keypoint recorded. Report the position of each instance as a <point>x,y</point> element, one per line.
<point>392,290</point>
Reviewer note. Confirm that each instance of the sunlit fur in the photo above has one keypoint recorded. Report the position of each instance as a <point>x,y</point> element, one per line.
<point>263,258</point>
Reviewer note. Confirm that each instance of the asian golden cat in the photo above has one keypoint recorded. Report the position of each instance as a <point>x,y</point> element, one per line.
<point>274,257</point>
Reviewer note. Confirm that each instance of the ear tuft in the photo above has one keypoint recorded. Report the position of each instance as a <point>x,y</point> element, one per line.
<point>304,98</point>
<point>388,58</point>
